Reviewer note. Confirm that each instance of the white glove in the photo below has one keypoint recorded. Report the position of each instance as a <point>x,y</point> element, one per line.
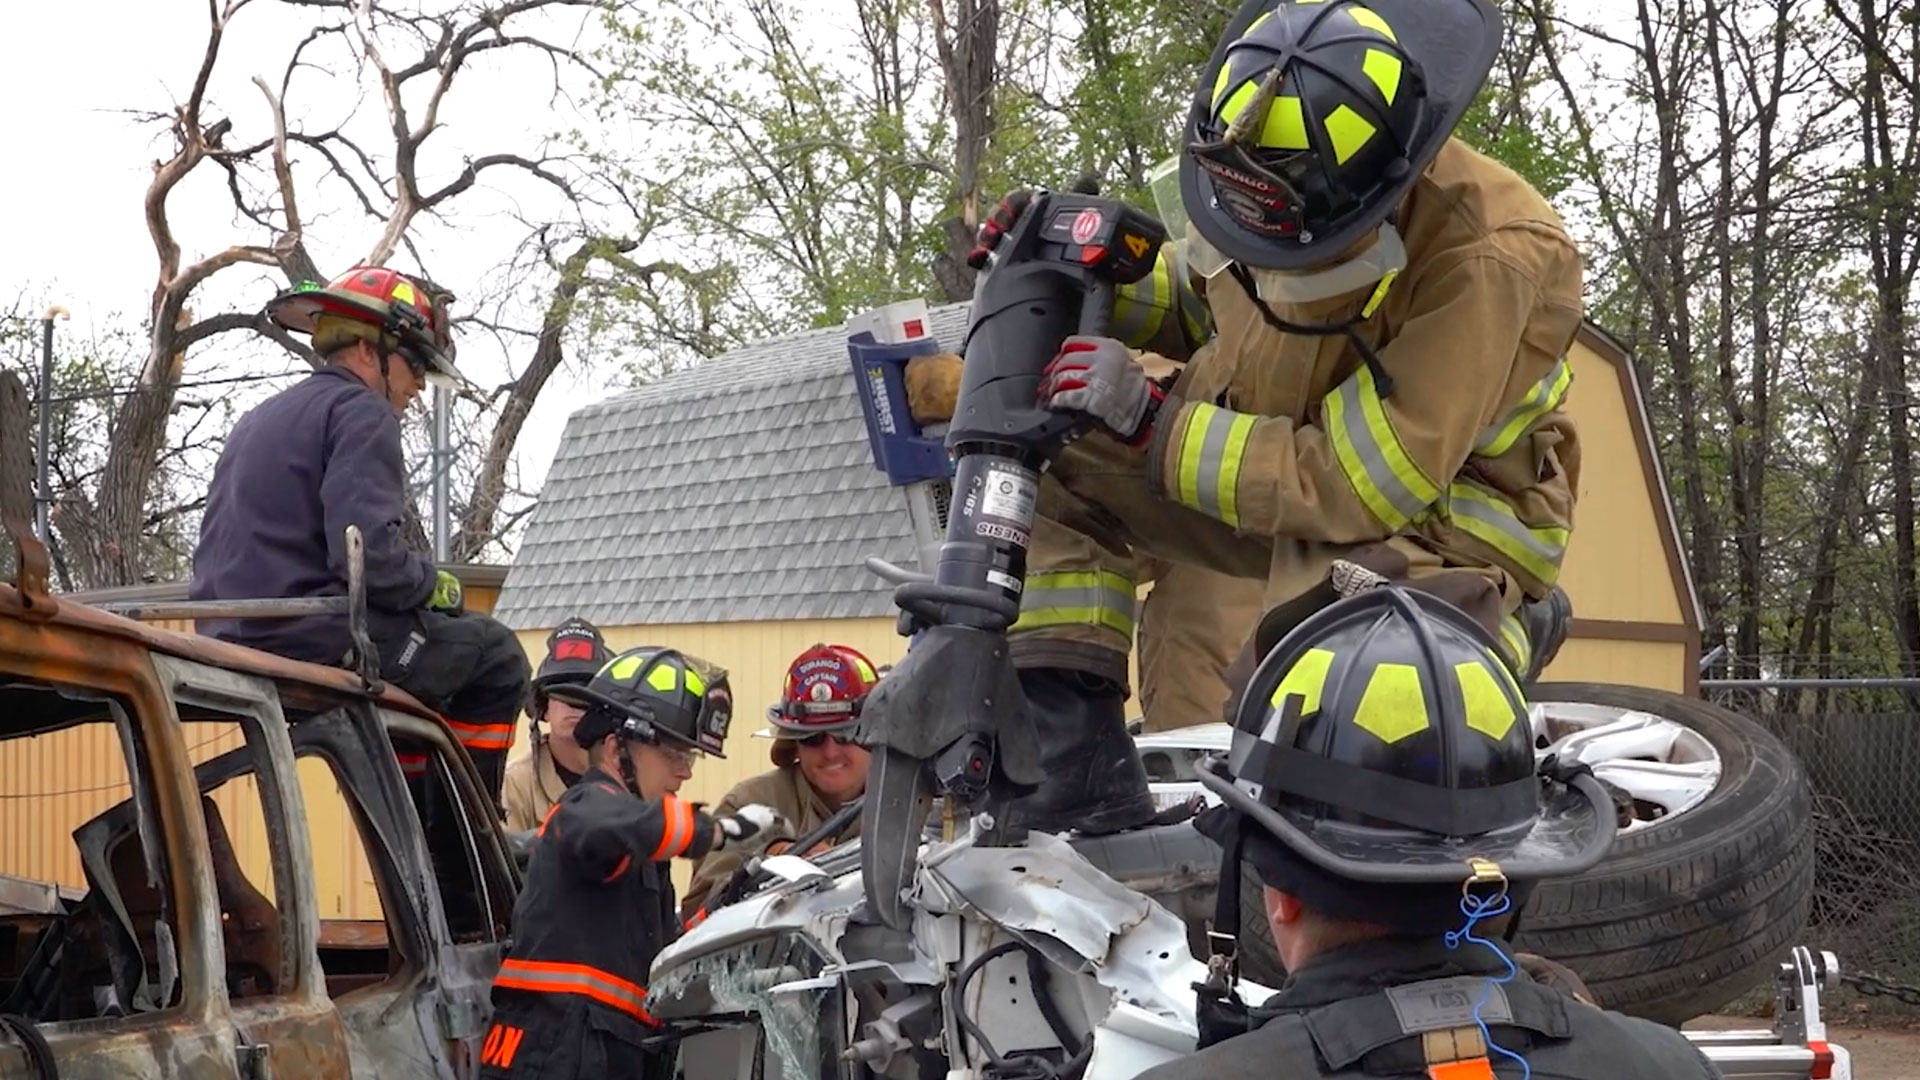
<point>749,823</point>
<point>1099,377</point>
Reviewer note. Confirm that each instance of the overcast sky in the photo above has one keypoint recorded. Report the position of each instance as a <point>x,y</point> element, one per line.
<point>71,224</point>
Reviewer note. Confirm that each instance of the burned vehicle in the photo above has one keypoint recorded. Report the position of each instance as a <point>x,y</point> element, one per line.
<point>147,940</point>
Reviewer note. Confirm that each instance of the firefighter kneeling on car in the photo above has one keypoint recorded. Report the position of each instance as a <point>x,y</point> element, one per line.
<point>598,903</point>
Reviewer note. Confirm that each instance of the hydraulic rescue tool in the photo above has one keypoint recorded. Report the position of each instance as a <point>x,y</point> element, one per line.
<point>951,720</point>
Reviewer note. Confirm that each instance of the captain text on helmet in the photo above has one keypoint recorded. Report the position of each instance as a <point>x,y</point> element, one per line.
<point>1382,784</point>
<point>1380,374</point>
<point>324,454</point>
<point>598,905</point>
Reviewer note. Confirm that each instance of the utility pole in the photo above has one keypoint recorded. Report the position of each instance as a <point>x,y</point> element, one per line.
<point>42,465</point>
<point>442,465</point>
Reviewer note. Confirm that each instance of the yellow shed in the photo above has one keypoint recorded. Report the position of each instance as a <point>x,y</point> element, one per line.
<point>1636,615</point>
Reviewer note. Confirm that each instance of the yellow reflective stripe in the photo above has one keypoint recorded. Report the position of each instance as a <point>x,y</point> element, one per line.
<point>1381,471</point>
<point>1513,634</point>
<point>1077,598</point>
<point>1187,466</point>
<point>1140,308</point>
<point>1544,397</point>
<point>1486,517</point>
<point>1227,483</point>
<point>1211,452</point>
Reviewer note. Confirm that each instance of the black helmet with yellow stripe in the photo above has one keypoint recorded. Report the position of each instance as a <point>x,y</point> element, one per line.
<point>1315,117</point>
<point>1382,741</point>
<point>652,694</point>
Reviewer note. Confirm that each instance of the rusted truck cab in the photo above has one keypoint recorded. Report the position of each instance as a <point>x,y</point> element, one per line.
<point>178,929</point>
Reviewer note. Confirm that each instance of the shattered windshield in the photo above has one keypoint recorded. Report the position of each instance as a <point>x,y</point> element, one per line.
<point>774,982</point>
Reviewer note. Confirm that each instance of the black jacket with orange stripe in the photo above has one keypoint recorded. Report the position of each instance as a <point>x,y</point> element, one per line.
<point>598,903</point>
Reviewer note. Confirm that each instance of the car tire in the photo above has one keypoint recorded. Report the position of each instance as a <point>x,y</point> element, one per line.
<point>1683,915</point>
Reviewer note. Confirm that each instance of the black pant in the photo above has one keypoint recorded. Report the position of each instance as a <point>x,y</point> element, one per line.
<point>467,667</point>
<point>567,1039</point>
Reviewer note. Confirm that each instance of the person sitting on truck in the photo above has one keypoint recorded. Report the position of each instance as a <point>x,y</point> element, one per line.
<point>598,904</point>
<point>1383,787</point>
<point>1386,379</point>
<point>818,767</point>
<point>324,454</point>
<point>555,761</point>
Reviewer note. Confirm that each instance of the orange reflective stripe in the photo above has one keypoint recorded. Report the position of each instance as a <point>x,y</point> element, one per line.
<point>553,978</point>
<point>1471,1069</point>
<point>548,816</point>
<point>412,764</point>
<point>676,831</point>
<point>625,861</point>
<point>698,918</point>
<point>483,736</point>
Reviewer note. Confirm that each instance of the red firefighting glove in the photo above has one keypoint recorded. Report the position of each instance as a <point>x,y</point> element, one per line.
<point>1098,377</point>
<point>996,226</point>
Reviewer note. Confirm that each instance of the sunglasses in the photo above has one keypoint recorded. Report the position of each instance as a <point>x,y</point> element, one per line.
<point>820,738</point>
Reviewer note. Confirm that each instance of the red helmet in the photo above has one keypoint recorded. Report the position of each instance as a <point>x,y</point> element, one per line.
<point>826,685</point>
<point>405,313</point>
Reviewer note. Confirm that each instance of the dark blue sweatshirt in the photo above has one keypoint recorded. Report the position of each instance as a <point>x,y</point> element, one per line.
<point>296,471</point>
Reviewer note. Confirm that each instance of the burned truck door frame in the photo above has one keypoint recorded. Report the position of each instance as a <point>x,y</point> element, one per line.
<point>189,1037</point>
<point>434,1009</point>
<point>294,1031</point>
<point>466,979</point>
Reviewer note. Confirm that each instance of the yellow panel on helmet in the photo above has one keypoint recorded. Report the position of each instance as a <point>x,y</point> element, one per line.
<point>696,685</point>
<point>1286,125</point>
<point>1384,69</point>
<point>622,668</point>
<point>1393,706</point>
<point>403,294</point>
<point>1346,129</point>
<point>663,679</point>
<point>1489,710</point>
<point>1371,19</point>
<point>1307,678</point>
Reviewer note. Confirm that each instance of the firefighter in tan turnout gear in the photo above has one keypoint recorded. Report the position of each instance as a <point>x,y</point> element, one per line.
<point>818,767</point>
<point>1384,380</point>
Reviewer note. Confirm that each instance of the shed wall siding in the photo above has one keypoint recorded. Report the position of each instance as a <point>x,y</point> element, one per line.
<point>1616,566</point>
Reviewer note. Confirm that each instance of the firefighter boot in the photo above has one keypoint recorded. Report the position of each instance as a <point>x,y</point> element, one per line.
<point>1095,782</point>
<point>1546,621</point>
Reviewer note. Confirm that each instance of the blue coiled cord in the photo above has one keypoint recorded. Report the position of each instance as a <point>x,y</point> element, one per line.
<point>1476,908</point>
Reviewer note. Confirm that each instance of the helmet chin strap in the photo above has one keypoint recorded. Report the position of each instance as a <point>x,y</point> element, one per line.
<point>627,775</point>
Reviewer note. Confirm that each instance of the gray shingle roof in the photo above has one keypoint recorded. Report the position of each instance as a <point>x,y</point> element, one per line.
<point>740,489</point>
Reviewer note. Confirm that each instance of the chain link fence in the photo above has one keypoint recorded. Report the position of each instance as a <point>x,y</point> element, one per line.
<point>1860,744</point>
